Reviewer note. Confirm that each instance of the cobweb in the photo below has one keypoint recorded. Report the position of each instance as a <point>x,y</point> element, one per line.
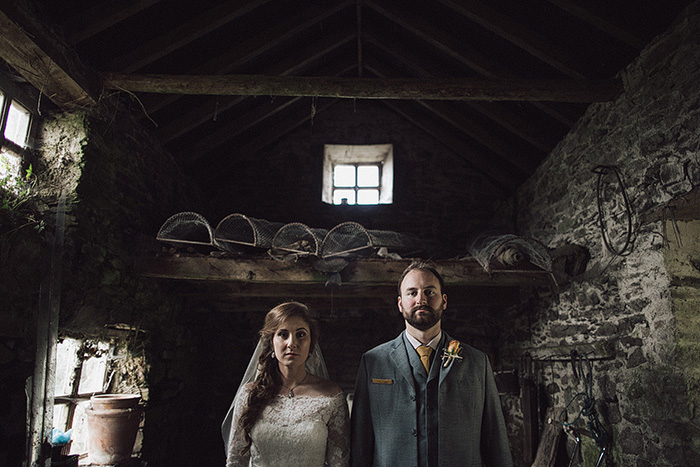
<point>498,252</point>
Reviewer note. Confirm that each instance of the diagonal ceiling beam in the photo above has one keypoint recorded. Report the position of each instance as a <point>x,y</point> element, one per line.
<point>366,88</point>
<point>293,65</point>
<point>100,17</point>
<point>447,45</point>
<point>187,33</point>
<point>474,131</point>
<point>596,21</point>
<point>209,179</point>
<point>239,56</point>
<point>37,55</point>
<point>500,172</point>
<point>244,122</point>
<point>516,34</point>
<point>501,115</point>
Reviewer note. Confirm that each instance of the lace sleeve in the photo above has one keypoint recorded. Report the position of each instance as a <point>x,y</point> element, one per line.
<point>338,446</point>
<point>237,440</point>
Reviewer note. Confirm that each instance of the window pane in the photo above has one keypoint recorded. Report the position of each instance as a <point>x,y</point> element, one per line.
<point>66,360</point>
<point>17,125</point>
<point>344,175</point>
<point>2,100</point>
<point>60,416</point>
<point>339,195</point>
<point>368,197</point>
<point>93,375</point>
<point>368,176</point>
<point>79,436</point>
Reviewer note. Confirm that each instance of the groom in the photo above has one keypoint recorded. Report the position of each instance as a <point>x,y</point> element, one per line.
<point>426,407</point>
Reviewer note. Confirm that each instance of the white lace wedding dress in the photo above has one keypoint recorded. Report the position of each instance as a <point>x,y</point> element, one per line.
<point>301,431</point>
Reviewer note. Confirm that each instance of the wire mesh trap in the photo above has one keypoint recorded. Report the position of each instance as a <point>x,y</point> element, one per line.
<point>345,238</point>
<point>298,238</point>
<point>499,252</point>
<point>237,231</point>
<point>186,228</point>
<point>352,238</point>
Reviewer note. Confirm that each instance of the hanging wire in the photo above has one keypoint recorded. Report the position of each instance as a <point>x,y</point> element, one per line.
<point>602,171</point>
<point>588,410</point>
<point>674,223</point>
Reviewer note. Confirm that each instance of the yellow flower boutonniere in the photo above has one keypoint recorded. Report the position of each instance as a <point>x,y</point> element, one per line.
<point>451,352</point>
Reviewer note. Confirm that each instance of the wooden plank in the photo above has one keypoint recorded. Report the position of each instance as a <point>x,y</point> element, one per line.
<point>35,54</point>
<point>370,88</point>
<point>366,271</point>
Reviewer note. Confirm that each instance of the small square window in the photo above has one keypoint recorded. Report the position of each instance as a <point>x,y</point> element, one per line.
<point>358,174</point>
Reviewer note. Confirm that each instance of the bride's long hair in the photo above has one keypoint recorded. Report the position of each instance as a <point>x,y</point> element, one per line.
<point>267,383</point>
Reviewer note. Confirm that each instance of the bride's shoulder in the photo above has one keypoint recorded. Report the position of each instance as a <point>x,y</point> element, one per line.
<point>324,387</point>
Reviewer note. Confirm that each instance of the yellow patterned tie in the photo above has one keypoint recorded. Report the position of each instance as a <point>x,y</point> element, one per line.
<point>425,351</point>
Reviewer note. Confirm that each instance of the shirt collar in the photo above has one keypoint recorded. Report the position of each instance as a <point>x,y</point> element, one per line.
<point>433,342</point>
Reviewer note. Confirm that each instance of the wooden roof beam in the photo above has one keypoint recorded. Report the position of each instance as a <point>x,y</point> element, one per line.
<point>254,47</point>
<point>274,132</point>
<point>100,17</point>
<point>187,33</point>
<point>498,113</point>
<point>603,25</point>
<point>43,60</point>
<point>366,88</point>
<point>516,34</point>
<point>470,59</point>
<point>203,113</point>
<point>498,170</point>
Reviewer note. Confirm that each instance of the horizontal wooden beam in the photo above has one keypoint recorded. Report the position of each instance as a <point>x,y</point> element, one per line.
<point>370,88</point>
<point>359,272</point>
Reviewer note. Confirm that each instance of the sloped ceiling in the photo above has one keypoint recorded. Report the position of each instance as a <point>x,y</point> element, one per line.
<point>498,82</point>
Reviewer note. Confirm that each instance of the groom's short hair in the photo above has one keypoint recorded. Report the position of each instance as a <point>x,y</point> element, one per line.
<point>425,266</point>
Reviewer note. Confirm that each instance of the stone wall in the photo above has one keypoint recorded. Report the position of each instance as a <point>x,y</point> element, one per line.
<point>634,315</point>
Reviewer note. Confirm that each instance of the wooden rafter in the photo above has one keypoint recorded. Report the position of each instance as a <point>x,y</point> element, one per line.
<point>256,46</point>
<point>494,111</point>
<point>299,116</point>
<point>501,172</point>
<point>515,33</point>
<point>186,33</point>
<point>36,55</point>
<point>101,17</point>
<point>448,46</point>
<point>366,88</point>
<point>202,114</point>
<point>607,27</point>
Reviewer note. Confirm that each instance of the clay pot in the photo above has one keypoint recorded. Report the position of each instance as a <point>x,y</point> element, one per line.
<point>113,422</point>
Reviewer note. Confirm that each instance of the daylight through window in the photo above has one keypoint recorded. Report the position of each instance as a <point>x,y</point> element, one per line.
<point>358,174</point>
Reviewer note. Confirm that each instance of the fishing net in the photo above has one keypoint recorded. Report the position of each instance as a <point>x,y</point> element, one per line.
<point>498,252</point>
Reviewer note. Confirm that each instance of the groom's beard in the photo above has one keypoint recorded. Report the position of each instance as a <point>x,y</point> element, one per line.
<point>425,320</point>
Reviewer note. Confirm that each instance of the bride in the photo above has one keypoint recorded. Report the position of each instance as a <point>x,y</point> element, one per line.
<point>290,414</point>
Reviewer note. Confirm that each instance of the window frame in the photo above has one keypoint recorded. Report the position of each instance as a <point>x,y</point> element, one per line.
<point>13,93</point>
<point>72,400</point>
<point>381,155</point>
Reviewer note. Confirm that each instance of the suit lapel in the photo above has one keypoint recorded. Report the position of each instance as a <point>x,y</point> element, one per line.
<point>400,359</point>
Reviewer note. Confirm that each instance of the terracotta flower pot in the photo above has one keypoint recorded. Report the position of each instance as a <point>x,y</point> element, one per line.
<point>113,422</point>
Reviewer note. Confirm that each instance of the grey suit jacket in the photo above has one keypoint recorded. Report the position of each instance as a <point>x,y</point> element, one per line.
<point>471,432</point>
